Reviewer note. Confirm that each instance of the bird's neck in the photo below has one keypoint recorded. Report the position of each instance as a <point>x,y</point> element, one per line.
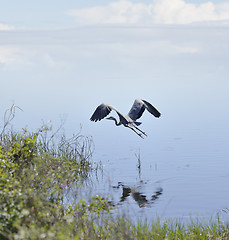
<point>116,123</point>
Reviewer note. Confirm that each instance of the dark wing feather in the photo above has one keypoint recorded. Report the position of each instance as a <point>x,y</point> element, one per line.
<point>101,112</point>
<point>152,109</point>
<point>139,107</point>
<point>137,110</point>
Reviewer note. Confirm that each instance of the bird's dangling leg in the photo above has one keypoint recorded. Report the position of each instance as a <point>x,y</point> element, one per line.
<point>140,130</point>
<point>139,134</point>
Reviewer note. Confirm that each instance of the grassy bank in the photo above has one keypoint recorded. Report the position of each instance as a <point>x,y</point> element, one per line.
<point>37,169</point>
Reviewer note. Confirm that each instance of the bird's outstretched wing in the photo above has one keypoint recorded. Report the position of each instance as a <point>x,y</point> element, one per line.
<point>139,107</point>
<point>103,110</point>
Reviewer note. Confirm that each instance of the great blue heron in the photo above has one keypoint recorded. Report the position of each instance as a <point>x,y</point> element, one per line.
<point>129,120</point>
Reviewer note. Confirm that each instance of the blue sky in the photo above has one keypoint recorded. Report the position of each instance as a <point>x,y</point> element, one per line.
<point>63,58</point>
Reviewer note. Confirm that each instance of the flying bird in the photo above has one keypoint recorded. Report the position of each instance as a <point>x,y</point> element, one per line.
<point>129,120</point>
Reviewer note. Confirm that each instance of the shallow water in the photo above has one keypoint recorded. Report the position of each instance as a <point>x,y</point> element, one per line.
<point>180,178</point>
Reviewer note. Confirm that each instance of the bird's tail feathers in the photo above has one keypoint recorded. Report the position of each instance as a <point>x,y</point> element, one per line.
<point>138,123</point>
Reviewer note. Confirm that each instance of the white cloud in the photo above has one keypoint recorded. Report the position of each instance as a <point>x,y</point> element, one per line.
<point>4,27</point>
<point>179,12</point>
<point>19,55</point>
<point>115,12</point>
<point>79,47</point>
<point>8,54</point>
<point>158,12</point>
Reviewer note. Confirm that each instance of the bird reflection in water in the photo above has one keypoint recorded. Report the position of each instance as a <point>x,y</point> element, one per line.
<point>139,197</point>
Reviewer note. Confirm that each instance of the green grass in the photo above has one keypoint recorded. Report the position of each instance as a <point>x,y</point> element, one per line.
<point>38,168</point>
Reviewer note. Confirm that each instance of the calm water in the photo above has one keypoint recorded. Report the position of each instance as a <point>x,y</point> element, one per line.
<point>182,174</point>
